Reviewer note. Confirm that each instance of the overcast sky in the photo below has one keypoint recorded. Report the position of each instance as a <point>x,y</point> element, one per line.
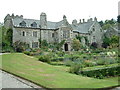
<point>55,9</point>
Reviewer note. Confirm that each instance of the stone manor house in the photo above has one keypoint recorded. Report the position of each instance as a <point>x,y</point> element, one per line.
<point>30,30</point>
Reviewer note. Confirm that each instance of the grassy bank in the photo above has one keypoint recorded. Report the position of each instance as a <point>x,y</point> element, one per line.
<point>49,76</point>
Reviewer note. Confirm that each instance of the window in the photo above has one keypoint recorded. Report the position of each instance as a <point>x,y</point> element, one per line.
<point>23,33</point>
<point>52,34</point>
<point>93,29</point>
<point>34,44</point>
<point>23,24</point>
<point>93,37</point>
<point>34,24</point>
<point>34,33</point>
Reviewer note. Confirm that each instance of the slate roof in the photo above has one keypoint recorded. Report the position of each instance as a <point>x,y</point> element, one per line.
<point>17,21</point>
<point>83,28</point>
<point>50,25</point>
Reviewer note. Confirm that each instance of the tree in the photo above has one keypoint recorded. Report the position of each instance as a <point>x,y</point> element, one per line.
<point>76,44</point>
<point>114,41</point>
<point>101,23</point>
<point>58,46</point>
<point>106,42</point>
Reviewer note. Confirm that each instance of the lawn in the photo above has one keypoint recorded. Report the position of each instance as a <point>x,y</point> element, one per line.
<point>48,75</point>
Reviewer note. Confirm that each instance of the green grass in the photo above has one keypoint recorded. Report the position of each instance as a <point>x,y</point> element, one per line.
<point>49,76</point>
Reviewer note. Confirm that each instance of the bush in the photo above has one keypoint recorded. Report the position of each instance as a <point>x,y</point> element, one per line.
<point>26,52</point>
<point>102,72</point>
<point>68,63</point>
<point>45,58</point>
<point>60,54</point>
<point>76,68</point>
<point>94,45</point>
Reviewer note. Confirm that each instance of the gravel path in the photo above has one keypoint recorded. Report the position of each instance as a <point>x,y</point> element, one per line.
<point>11,81</point>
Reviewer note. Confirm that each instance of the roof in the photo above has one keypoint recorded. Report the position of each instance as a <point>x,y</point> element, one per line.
<point>17,21</point>
<point>83,28</point>
<point>50,25</point>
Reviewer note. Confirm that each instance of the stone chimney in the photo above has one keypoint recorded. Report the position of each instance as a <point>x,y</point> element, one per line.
<point>95,19</point>
<point>74,22</point>
<point>90,20</point>
<point>83,20</point>
<point>64,17</point>
<point>21,16</point>
<point>43,20</point>
<point>80,21</point>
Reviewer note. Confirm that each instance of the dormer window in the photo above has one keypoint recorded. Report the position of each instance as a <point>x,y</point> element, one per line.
<point>23,24</point>
<point>34,24</point>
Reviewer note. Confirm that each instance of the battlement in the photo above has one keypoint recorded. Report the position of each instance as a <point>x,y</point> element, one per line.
<point>10,17</point>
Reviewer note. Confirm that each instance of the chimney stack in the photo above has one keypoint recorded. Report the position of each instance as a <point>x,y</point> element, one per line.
<point>83,20</point>
<point>95,19</point>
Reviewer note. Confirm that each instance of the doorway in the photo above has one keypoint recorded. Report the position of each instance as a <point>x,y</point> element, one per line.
<point>66,47</point>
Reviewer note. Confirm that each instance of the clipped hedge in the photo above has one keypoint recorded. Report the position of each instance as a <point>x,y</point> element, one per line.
<point>102,72</point>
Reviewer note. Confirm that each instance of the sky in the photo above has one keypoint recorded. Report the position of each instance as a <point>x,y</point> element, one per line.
<point>55,9</point>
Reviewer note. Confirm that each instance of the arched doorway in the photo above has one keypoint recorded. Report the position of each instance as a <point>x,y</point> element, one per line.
<point>66,47</point>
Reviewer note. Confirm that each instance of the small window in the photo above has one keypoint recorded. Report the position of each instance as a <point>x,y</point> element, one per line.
<point>52,34</point>
<point>34,33</point>
<point>23,33</point>
<point>93,29</point>
<point>93,37</point>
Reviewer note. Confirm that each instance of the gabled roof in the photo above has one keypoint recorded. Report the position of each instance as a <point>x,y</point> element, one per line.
<point>83,28</point>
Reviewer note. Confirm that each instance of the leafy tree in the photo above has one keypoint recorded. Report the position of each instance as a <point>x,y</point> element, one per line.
<point>76,44</point>
<point>58,46</point>
<point>101,23</point>
<point>106,42</point>
<point>114,41</point>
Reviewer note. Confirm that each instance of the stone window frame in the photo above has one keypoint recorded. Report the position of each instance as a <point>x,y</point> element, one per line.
<point>53,35</point>
<point>34,34</point>
<point>23,33</point>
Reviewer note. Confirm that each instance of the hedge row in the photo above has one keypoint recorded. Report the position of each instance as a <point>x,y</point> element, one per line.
<point>102,72</point>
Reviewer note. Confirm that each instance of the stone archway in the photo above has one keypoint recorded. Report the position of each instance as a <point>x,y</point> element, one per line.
<point>66,47</point>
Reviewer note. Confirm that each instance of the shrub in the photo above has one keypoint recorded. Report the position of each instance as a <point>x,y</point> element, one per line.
<point>94,45</point>
<point>76,68</point>
<point>26,52</point>
<point>102,72</point>
<point>20,46</point>
<point>45,58</point>
<point>89,63</point>
<point>68,62</point>
<point>61,54</point>
<point>76,44</point>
